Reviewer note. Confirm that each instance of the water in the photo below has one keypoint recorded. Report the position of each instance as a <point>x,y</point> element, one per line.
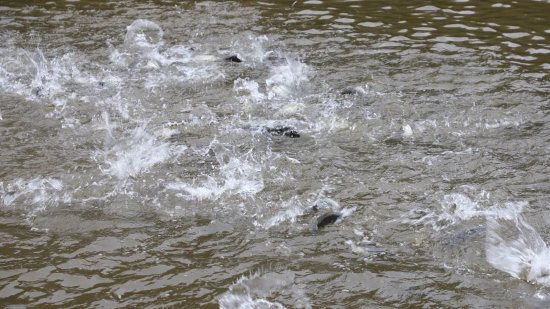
<point>140,169</point>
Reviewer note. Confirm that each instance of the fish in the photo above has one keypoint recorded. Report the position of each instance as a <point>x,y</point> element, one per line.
<point>325,219</point>
<point>284,131</point>
<point>355,91</point>
<point>233,58</point>
<point>466,235</point>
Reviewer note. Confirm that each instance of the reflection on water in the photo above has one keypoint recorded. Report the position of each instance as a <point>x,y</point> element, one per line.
<point>140,168</point>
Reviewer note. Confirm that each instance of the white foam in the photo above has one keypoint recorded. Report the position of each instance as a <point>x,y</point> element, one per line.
<point>515,247</point>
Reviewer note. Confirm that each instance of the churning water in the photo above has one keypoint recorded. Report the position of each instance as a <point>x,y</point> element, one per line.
<point>142,165</point>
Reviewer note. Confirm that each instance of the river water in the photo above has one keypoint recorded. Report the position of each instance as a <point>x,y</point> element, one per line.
<point>139,169</point>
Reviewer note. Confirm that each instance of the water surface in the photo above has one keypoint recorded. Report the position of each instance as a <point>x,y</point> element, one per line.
<point>141,169</point>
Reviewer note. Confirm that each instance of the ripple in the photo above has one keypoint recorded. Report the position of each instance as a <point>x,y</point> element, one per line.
<point>500,5</point>
<point>428,8</point>
<point>421,34</point>
<point>538,51</point>
<point>445,39</point>
<point>488,29</point>
<point>511,44</point>
<point>515,35</point>
<point>371,24</point>
<point>442,47</point>
<point>461,26</point>
<point>465,12</point>
<point>345,20</point>
<point>312,12</point>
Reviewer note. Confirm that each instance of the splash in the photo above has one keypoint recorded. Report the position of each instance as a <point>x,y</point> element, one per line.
<point>144,51</point>
<point>293,209</point>
<point>458,207</point>
<point>143,35</point>
<point>38,78</point>
<point>35,195</point>
<point>130,156</point>
<point>515,247</point>
<point>365,246</point>
<point>230,301</point>
<point>248,90</point>
<point>251,292</point>
<point>237,176</point>
<point>286,78</point>
<point>250,49</point>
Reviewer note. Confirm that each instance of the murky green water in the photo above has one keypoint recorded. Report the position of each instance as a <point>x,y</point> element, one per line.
<point>139,169</point>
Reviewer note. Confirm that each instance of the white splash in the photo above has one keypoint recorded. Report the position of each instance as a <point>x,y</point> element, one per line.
<point>250,49</point>
<point>137,153</point>
<point>407,130</point>
<point>34,195</point>
<point>248,90</point>
<point>158,65</point>
<point>291,210</point>
<point>143,35</point>
<point>458,207</point>
<point>231,301</point>
<point>364,246</point>
<point>285,79</point>
<point>252,292</point>
<point>38,78</point>
<point>238,176</point>
<point>515,247</point>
